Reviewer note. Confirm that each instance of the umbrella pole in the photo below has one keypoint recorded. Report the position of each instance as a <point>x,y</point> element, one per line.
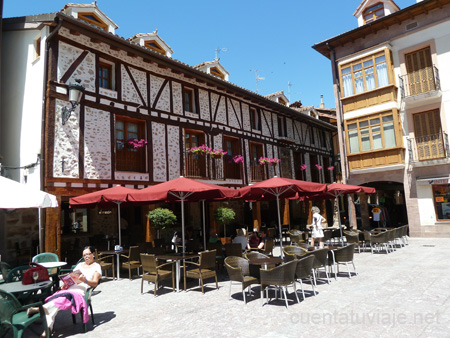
<point>118,222</point>
<point>182,224</point>
<point>204,226</point>
<point>40,230</point>
<point>339,220</point>
<point>279,226</point>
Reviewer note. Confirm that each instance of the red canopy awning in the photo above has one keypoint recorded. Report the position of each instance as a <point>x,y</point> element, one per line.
<point>106,198</point>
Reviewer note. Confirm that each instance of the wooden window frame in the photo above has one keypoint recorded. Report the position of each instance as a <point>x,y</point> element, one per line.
<point>192,94</point>
<point>37,48</point>
<point>127,158</point>
<point>216,72</point>
<point>195,165</point>
<point>97,22</point>
<point>282,126</point>
<point>100,75</point>
<point>368,119</point>
<point>388,60</point>
<point>254,112</point>
<point>372,11</point>
<point>156,48</point>
<point>257,170</point>
<point>232,170</point>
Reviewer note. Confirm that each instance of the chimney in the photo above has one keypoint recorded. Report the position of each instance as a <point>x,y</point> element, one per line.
<point>322,105</point>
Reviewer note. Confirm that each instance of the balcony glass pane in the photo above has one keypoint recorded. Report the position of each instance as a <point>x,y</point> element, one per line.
<point>365,139</point>
<point>389,134</point>
<point>353,141</point>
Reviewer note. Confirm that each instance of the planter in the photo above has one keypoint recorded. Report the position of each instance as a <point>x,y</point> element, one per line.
<point>216,156</point>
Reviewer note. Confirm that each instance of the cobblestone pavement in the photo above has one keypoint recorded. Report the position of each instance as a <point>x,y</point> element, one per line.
<point>401,294</point>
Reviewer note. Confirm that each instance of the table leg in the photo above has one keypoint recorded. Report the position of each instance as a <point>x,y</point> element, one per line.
<point>118,266</point>
<point>178,275</point>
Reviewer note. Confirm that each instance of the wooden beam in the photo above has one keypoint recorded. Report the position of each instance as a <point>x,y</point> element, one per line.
<point>133,55</point>
<point>74,32</point>
<point>95,40</point>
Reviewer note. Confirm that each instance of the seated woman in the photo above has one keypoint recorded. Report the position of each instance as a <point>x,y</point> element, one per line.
<point>67,297</point>
<point>254,240</point>
<point>263,238</point>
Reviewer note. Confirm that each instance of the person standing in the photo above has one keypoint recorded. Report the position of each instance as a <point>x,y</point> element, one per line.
<point>317,229</point>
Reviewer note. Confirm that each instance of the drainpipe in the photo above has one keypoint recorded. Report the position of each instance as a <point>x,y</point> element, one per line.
<point>44,102</point>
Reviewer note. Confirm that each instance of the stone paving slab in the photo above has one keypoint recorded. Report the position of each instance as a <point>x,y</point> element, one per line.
<point>400,294</point>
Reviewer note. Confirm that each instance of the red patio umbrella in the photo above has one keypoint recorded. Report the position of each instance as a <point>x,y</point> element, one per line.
<point>106,198</point>
<point>278,187</point>
<point>180,190</point>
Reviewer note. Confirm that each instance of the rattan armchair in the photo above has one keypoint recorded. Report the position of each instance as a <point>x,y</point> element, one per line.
<point>344,255</point>
<point>295,236</point>
<point>379,239</point>
<point>254,254</point>
<point>280,277</point>
<point>268,247</point>
<point>233,249</point>
<point>238,271</point>
<point>320,261</point>
<point>304,270</point>
<point>353,237</point>
<point>133,261</point>
<point>106,262</point>
<point>204,269</point>
<point>152,272</point>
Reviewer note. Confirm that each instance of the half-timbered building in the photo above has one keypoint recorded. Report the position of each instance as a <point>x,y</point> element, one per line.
<point>134,89</point>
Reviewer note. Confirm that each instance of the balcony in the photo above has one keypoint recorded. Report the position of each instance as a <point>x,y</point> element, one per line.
<point>258,173</point>
<point>195,166</point>
<point>428,148</point>
<point>420,82</point>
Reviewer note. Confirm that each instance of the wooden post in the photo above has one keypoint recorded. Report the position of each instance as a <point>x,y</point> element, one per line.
<point>256,214</point>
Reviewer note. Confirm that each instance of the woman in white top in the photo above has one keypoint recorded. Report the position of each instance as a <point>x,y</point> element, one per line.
<point>317,230</point>
<point>91,273</point>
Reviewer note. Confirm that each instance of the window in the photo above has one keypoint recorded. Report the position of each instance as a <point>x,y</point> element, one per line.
<point>256,151</point>
<point>93,19</point>
<point>441,194</point>
<point>364,74</point>
<point>105,75</point>
<point>189,100</point>
<point>216,72</point>
<point>282,130</point>
<point>428,135</point>
<point>419,67</point>
<point>282,101</point>
<point>37,47</point>
<point>195,163</point>
<point>315,172</point>
<point>255,119</point>
<point>231,146</point>
<point>73,221</point>
<point>153,45</point>
<point>371,133</point>
<point>300,167</point>
<point>129,158</point>
<point>373,13</point>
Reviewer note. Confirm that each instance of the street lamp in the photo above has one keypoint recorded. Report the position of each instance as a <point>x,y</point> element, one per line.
<point>76,90</point>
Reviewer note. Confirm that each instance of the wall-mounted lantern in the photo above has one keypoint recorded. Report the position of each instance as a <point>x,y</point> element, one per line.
<point>76,91</point>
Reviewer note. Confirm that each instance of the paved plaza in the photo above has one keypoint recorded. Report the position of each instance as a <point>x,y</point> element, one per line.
<point>401,294</point>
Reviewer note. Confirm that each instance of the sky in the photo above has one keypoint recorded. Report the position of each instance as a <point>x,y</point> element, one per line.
<point>272,37</point>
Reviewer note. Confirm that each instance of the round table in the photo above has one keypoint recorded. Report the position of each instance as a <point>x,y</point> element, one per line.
<point>51,265</point>
<point>18,287</point>
<point>265,261</point>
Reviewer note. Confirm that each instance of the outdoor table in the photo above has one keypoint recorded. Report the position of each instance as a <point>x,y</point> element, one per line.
<point>17,288</point>
<point>117,253</point>
<point>178,258</point>
<point>265,261</point>
<point>54,265</point>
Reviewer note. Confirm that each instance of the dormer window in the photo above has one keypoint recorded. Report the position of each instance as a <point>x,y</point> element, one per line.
<point>282,101</point>
<point>93,19</point>
<point>153,45</point>
<point>216,72</point>
<point>373,13</point>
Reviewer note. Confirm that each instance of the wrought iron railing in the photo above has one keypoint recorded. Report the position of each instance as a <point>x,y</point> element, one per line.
<point>429,147</point>
<point>258,172</point>
<point>195,165</point>
<point>422,81</point>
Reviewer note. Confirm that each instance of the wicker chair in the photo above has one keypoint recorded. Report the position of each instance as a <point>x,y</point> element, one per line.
<point>294,250</point>
<point>233,249</point>
<point>218,247</point>
<point>254,254</point>
<point>327,235</point>
<point>152,272</point>
<point>106,262</point>
<point>268,247</point>
<point>305,270</point>
<point>204,269</point>
<point>344,255</point>
<point>133,261</point>
<point>398,237</point>
<point>353,237</point>
<point>295,236</point>
<point>280,277</point>
<point>238,271</point>
<point>320,261</point>
<point>14,315</point>
<point>377,240</point>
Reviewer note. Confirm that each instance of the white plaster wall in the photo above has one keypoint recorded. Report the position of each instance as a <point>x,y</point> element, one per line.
<point>266,118</point>
<point>203,97</point>
<point>97,144</point>
<point>164,99</point>
<point>426,205</point>
<point>159,152</point>
<point>178,98</point>
<point>234,114</point>
<point>129,93</point>
<point>22,93</point>
<point>141,81</point>
<point>246,117</point>
<point>155,84</point>
<point>221,116</point>
<point>173,137</point>
<point>85,71</point>
<point>66,143</point>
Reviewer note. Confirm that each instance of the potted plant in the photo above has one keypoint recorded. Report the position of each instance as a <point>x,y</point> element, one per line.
<point>134,143</point>
<point>217,153</point>
<point>224,216</point>
<point>200,150</point>
<point>161,218</point>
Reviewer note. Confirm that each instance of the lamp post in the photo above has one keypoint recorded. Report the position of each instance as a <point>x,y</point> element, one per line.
<point>76,91</point>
